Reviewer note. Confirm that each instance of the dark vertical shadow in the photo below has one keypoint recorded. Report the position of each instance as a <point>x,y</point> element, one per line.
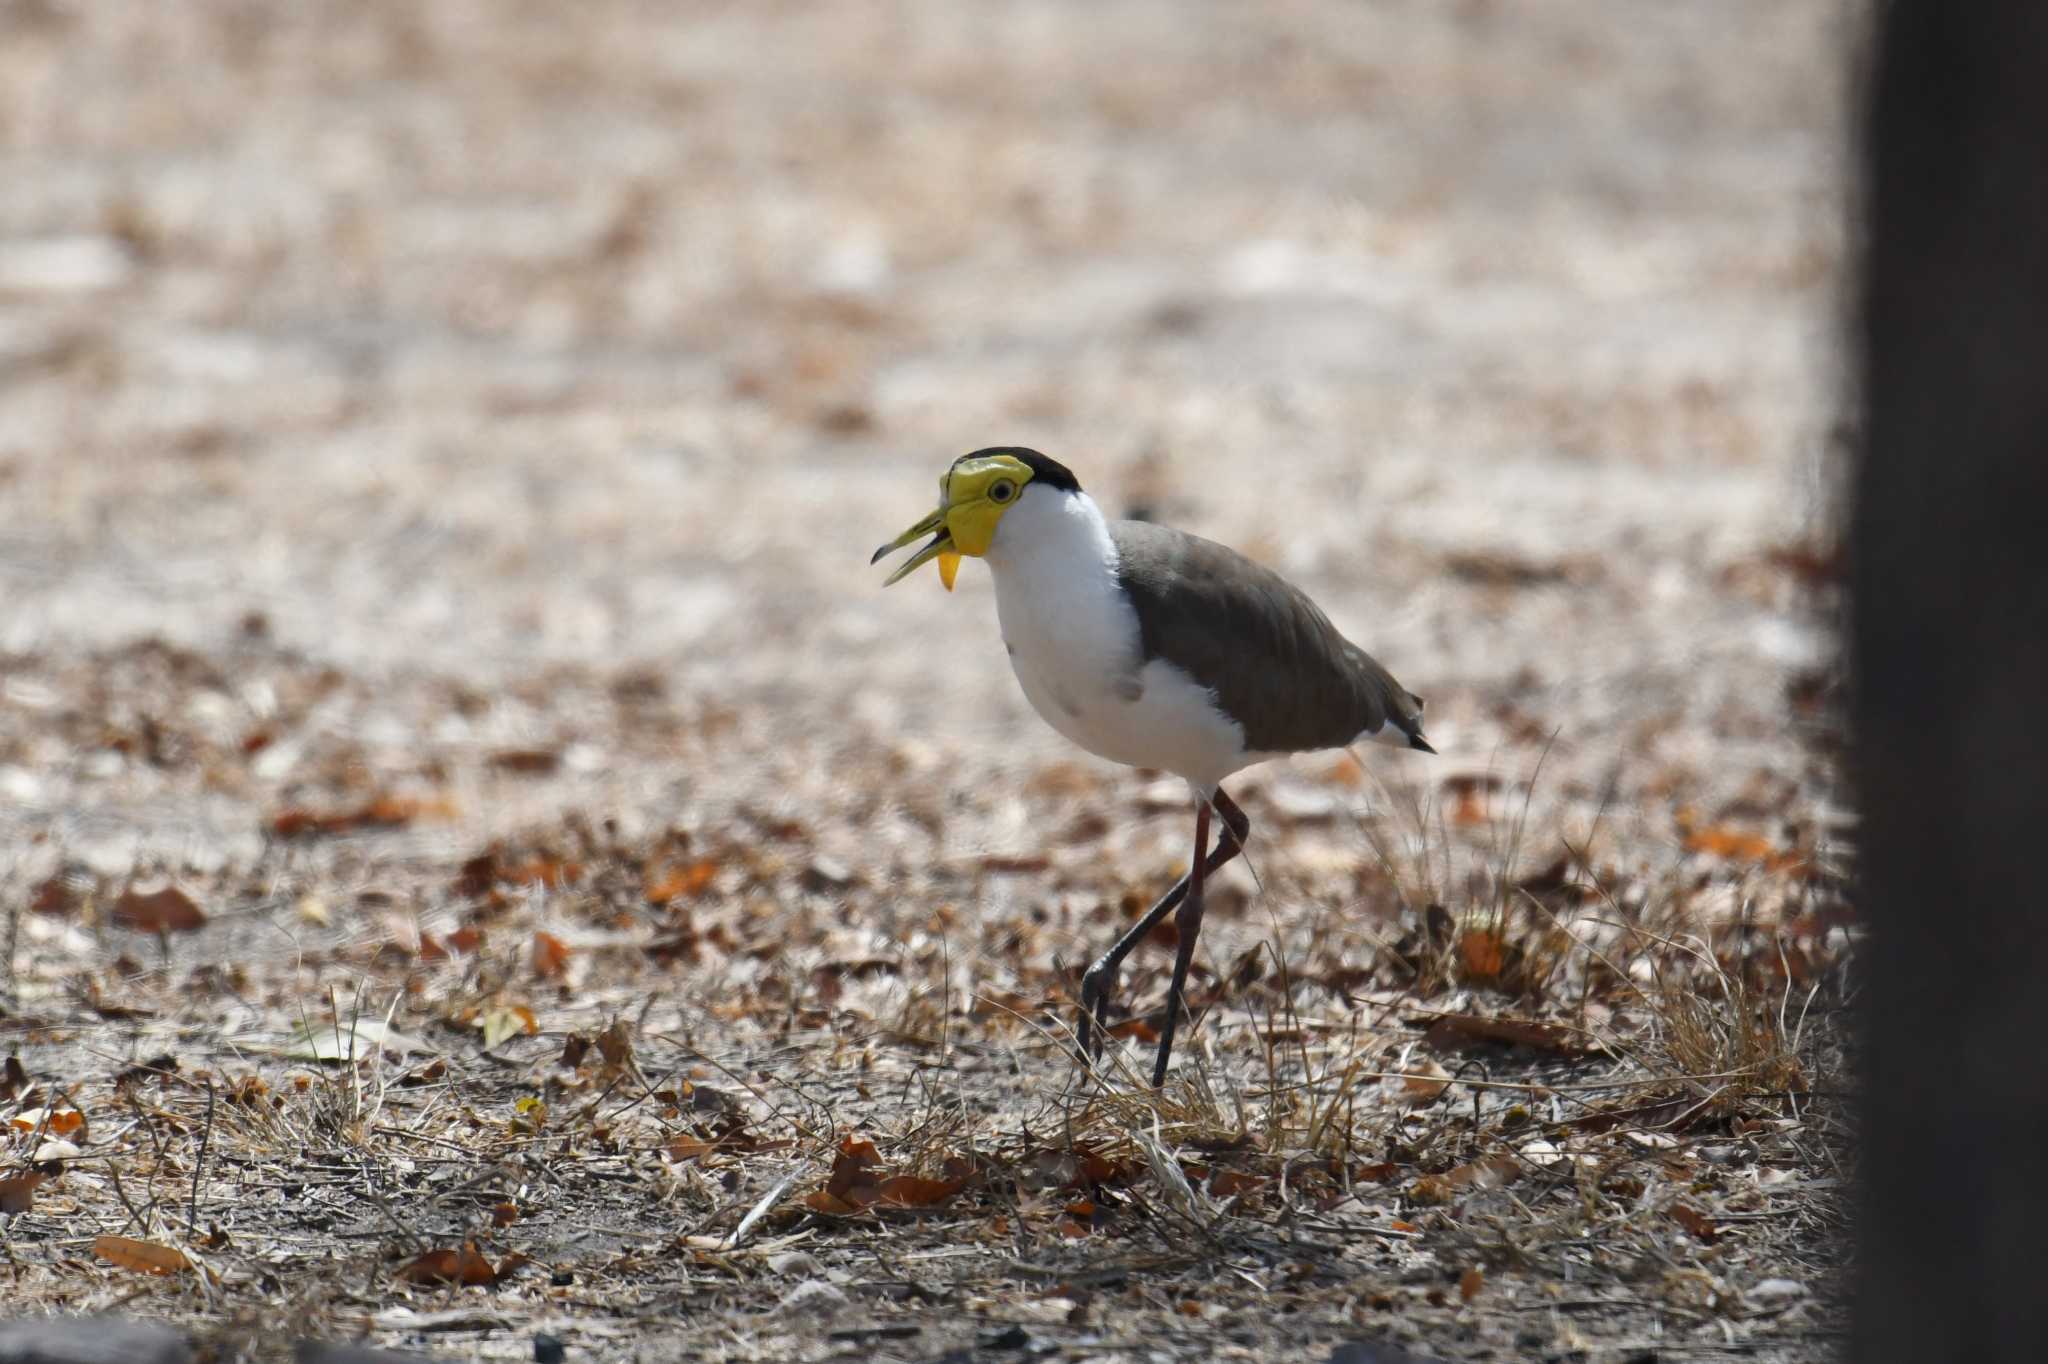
<point>1949,660</point>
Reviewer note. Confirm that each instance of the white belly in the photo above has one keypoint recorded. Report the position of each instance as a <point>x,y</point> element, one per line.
<point>1171,723</point>
<point>1073,643</point>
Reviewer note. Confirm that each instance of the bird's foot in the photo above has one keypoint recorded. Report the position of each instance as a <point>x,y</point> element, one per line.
<point>1096,984</point>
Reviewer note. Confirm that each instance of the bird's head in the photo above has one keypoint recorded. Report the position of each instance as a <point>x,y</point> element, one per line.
<point>973,495</point>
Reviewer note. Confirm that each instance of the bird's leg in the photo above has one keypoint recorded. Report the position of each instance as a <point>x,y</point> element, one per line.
<point>1189,922</point>
<point>1100,978</point>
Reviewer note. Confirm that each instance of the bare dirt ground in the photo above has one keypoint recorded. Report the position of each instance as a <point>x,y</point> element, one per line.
<point>440,450</point>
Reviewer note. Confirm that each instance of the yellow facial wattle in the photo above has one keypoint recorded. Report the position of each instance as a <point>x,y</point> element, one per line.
<point>973,495</point>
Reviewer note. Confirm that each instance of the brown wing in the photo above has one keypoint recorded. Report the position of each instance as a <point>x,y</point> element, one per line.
<point>1274,660</point>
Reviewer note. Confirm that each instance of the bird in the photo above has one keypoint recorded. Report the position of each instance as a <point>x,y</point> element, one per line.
<point>1158,649</point>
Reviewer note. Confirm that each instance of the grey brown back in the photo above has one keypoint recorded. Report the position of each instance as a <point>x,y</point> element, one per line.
<point>1274,660</point>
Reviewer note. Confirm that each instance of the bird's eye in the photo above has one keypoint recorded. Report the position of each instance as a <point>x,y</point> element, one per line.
<point>1002,490</point>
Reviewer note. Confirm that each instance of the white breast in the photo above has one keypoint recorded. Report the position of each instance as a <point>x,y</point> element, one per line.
<point>1074,645</point>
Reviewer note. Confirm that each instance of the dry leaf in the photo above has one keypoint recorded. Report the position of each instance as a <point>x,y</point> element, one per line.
<point>18,1193</point>
<point>533,1113</point>
<point>542,871</point>
<point>911,1191</point>
<point>54,896</point>
<point>464,1266</point>
<point>1698,1223</point>
<point>1483,952</point>
<point>1422,1084</point>
<point>1460,1032</point>
<point>673,883</point>
<point>1670,1115</point>
<point>1139,1028</point>
<point>1470,1282</point>
<point>61,1122</point>
<point>550,956</point>
<point>1082,1167</point>
<point>385,812</point>
<point>853,1169</point>
<point>1229,1183</point>
<point>829,1204</point>
<point>1721,841</point>
<point>504,1214</point>
<point>146,1257</point>
<point>503,1021</point>
<point>1468,792</point>
<point>527,762</point>
<point>615,1044</point>
<point>1488,1172</point>
<point>169,910</point>
<point>14,1080</point>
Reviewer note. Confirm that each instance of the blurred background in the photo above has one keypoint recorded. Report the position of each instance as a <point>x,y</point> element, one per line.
<point>441,446</point>
<point>493,405</point>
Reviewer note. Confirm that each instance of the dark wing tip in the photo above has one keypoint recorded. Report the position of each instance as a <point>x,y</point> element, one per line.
<point>1417,742</point>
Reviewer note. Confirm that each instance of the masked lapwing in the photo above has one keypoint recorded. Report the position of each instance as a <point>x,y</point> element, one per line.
<point>1155,648</point>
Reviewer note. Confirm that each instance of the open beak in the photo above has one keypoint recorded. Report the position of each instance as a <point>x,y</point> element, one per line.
<point>939,547</point>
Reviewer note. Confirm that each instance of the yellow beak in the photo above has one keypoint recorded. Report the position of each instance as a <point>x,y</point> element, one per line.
<point>939,547</point>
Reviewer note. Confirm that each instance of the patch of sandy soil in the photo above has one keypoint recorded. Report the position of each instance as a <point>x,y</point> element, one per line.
<point>440,451</point>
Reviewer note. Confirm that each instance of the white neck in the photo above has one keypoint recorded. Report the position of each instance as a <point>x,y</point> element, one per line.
<point>1051,530</point>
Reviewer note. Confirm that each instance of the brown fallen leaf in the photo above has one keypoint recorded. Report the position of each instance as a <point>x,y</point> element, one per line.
<point>1468,792</point>
<point>59,1122</point>
<point>553,873</point>
<point>615,1045</point>
<point>504,1214</point>
<point>1230,1183</point>
<point>693,1148</point>
<point>384,812</point>
<point>1719,841</point>
<point>526,762</point>
<point>1488,1172</point>
<point>503,1021</point>
<point>58,895</point>
<point>465,1266</point>
<point>831,1205</point>
<point>1423,1083</point>
<point>18,1192</point>
<point>851,1185</point>
<point>550,956</point>
<point>1703,1227</point>
<point>1080,1167</point>
<point>913,1191</point>
<point>1667,1115</point>
<point>1470,1283</point>
<point>169,910</point>
<point>14,1081</point>
<point>1466,1032</point>
<point>1483,953</point>
<point>679,882</point>
<point>1139,1028</point>
<point>145,1257</point>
